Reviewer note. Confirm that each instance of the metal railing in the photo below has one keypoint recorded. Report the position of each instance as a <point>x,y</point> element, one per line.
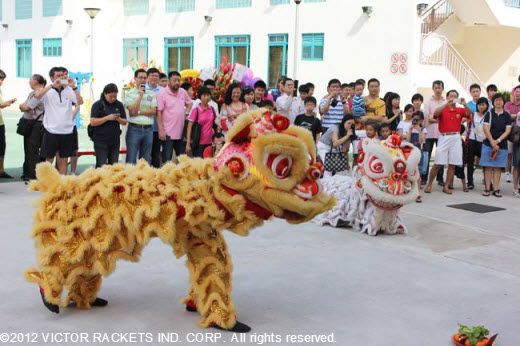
<point>442,53</point>
<point>512,3</point>
<point>436,15</point>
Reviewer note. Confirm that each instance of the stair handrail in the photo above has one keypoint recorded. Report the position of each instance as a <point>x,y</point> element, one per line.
<point>446,44</point>
<point>428,26</point>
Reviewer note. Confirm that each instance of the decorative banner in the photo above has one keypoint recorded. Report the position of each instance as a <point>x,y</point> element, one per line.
<point>238,72</point>
<point>207,73</point>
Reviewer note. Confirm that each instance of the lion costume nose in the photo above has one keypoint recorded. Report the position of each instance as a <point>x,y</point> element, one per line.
<point>307,189</point>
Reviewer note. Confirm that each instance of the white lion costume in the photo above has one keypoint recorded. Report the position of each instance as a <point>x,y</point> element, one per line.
<point>384,180</point>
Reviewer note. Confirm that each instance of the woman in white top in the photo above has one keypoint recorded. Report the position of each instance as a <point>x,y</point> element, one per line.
<point>231,108</point>
<point>474,138</point>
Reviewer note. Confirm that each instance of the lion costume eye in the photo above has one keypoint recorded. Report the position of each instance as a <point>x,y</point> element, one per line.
<point>279,164</point>
<point>375,165</point>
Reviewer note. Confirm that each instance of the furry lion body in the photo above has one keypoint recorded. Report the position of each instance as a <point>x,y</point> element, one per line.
<point>84,224</point>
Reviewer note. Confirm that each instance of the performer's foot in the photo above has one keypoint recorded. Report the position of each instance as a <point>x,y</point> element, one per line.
<point>52,307</point>
<point>190,306</point>
<point>99,302</point>
<point>239,327</point>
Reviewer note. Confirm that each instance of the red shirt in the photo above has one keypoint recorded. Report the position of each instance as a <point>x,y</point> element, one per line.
<point>450,119</point>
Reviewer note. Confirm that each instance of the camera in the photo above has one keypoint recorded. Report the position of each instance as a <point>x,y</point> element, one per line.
<point>334,103</point>
<point>64,82</point>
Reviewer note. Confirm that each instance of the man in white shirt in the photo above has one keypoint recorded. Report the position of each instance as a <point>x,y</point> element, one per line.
<point>59,101</point>
<point>298,105</point>
<point>285,100</point>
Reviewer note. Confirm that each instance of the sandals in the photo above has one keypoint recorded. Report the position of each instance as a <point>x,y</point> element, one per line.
<point>466,189</point>
<point>418,199</point>
<point>486,193</point>
<point>497,193</point>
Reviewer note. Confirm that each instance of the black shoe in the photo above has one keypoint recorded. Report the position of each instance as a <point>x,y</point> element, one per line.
<point>239,327</point>
<point>52,307</point>
<point>440,183</point>
<point>471,186</point>
<point>5,176</point>
<point>99,302</point>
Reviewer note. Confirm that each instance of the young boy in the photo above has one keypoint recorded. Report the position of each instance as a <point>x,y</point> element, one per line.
<point>417,101</point>
<point>384,131</point>
<point>217,144</point>
<point>163,80</point>
<point>298,105</point>
<point>308,119</point>
<point>358,102</point>
<point>259,88</point>
<point>346,94</point>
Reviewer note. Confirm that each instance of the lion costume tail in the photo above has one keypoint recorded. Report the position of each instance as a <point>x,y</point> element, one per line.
<point>47,178</point>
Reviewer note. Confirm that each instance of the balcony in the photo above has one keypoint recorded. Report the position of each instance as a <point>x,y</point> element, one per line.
<point>488,12</point>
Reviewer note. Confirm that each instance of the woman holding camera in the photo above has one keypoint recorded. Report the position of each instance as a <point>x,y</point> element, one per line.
<point>106,116</point>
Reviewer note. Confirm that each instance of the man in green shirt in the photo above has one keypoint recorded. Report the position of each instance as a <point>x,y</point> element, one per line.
<point>142,107</point>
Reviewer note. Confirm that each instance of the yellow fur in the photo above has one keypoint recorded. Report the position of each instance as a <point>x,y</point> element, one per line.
<point>84,224</point>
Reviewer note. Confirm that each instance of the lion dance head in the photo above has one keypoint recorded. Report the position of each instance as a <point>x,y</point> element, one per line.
<point>274,165</point>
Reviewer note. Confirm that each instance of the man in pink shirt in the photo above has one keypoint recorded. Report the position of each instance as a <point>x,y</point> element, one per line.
<point>432,127</point>
<point>513,108</point>
<point>173,103</point>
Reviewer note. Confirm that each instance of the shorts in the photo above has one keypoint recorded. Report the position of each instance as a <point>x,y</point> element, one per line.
<point>66,145</point>
<point>449,150</point>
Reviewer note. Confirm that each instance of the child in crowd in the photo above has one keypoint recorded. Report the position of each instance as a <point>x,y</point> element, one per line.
<point>268,104</point>
<point>216,145</point>
<point>404,126</point>
<point>417,101</point>
<point>358,102</point>
<point>359,130</point>
<point>308,119</point>
<point>371,128</point>
<point>459,170</point>
<point>384,131</point>
<point>415,135</point>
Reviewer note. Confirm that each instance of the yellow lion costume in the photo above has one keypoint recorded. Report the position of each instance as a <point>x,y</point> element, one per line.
<point>84,224</point>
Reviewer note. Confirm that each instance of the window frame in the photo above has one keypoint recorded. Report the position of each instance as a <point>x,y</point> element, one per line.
<point>232,44</point>
<point>178,47</point>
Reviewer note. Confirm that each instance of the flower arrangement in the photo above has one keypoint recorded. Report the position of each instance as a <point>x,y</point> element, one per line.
<point>223,79</point>
<point>192,76</point>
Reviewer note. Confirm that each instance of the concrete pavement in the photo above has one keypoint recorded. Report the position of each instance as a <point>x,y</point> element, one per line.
<point>453,267</point>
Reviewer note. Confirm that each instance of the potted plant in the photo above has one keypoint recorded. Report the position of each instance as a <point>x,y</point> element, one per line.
<point>473,336</point>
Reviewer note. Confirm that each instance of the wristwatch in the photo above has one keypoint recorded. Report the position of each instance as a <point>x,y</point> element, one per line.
<point>499,140</point>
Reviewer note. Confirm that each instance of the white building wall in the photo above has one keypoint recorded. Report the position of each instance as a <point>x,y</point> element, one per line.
<point>356,46</point>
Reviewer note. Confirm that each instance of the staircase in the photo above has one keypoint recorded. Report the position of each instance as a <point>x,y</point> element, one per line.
<point>437,50</point>
<point>435,16</point>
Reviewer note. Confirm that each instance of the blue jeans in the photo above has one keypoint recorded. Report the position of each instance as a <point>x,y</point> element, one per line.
<point>168,146</point>
<point>139,142</point>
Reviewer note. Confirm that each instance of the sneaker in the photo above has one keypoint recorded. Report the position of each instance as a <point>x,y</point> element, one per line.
<point>516,194</point>
<point>508,177</point>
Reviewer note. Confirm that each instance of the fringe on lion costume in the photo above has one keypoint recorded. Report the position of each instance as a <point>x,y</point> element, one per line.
<point>84,224</point>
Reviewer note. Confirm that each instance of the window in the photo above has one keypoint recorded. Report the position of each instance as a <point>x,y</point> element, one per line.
<point>233,3</point>
<point>277,63</point>
<point>23,9</point>
<point>52,8</point>
<point>24,58</point>
<point>0,10</point>
<point>312,46</point>
<point>180,5</point>
<point>135,51</point>
<point>236,48</point>
<point>135,7</point>
<point>279,2</point>
<point>52,47</point>
<point>513,3</point>
<point>178,53</point>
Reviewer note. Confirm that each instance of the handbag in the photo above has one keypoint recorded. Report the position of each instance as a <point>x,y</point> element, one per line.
<point>25,126</point>
<point>336,161</point>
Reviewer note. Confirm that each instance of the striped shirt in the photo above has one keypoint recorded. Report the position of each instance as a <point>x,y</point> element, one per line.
<point>334,115</point>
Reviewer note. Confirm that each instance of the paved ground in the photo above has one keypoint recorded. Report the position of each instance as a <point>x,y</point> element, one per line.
<point>454,267</point>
